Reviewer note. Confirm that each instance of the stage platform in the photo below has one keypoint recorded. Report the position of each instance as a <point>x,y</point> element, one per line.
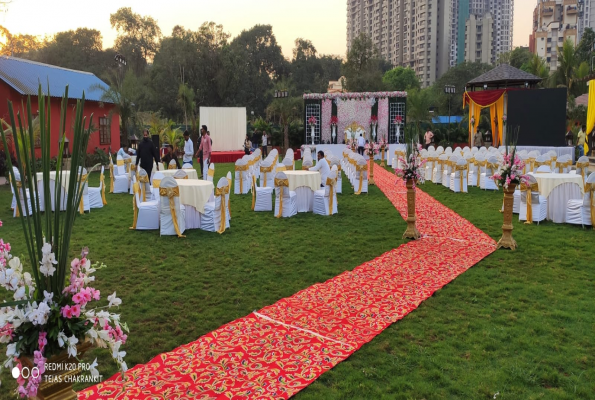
<point>226,156</point>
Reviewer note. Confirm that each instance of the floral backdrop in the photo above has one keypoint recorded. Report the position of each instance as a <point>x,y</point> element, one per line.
<point>352,110</point>
<point>327,110</point>
<point>382,118</point>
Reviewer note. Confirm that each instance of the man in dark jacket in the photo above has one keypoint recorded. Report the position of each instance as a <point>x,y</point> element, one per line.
<point>146,153</point>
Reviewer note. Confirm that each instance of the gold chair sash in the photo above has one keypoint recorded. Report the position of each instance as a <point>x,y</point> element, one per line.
<point>479,164</point>
<point>534,187</point>
<point>102,181</point>
<point>531,163</point>
<point>211,172</point>
<point>111,178</point>
<point>331,193</point>
<point>156,183</point>
<point>241,168</point>
<point>128,163</point>
<point>590,188</point>
<point>81,187</point>
<point>19,186</point>
<point>120,163</point>
<point>461,169</point>
<point>583,166</point>
<point>253,191</point>
<point>264,171</point>
<point>538,164</point>
<point>135,190</point>
<point>361,169</point>
<point>222,192</point>
<point>172,166</point>
<point>281,183</point>
<point>143,188</point>
<point>186,177</point>
<point>171,194</point>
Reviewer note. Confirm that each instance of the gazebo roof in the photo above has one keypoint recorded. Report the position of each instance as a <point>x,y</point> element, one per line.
<point>505,74</point>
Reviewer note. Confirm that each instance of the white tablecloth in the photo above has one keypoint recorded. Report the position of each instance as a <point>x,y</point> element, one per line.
<point>171,172</point>
<point>195,193</point>
<point>64,180</point>
<point>558,189</point>
<point>299,178</point>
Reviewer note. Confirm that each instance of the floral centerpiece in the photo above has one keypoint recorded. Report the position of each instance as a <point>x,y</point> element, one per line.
<point>334,121</point>
<point>512,166</point>
<point>371,149</point>
<point>411,166</point>
<point>312,121</point>
<point>383,143</point>
<point>398,120</point>
<point>373,120</point>
<point>51,313</point>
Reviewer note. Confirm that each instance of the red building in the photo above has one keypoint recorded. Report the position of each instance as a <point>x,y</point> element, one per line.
<point>21,78</point>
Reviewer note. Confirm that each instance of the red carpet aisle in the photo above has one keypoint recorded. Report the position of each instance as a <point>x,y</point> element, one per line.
<point>279,350</point>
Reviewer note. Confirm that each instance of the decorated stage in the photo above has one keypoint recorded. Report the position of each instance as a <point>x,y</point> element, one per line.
<point>226,156</point>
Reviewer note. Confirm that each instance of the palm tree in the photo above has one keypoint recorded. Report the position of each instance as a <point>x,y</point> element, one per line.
<point>538,67</point>
<point>186,102</point>
<point>171,135</point>
<point>419,103</point>
<point>565,75</point>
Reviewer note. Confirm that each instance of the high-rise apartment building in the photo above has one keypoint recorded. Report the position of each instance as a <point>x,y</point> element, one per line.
<point>479,33</point>
<point>554,22</point>
<point>429,35</point>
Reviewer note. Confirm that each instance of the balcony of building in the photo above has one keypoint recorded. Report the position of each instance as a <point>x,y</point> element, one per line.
<point>547,11</point>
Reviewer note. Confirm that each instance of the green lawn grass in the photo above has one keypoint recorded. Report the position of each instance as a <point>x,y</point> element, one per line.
<point>521,324</point>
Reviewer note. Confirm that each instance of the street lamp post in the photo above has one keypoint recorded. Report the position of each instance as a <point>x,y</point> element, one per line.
<point>449,90</point>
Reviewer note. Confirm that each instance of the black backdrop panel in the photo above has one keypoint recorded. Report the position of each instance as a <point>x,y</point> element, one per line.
<point>541,114</point>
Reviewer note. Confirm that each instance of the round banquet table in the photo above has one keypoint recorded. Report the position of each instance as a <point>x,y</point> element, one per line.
<point>171,172</point>
<point>194,194</point>
<point>558,189</point>
<point>64,182</point>
<point>304,184</point>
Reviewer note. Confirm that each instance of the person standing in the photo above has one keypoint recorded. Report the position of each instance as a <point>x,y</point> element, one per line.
<point>188,151</point>
<point>429,136</point>
<point>264,144</point>
<point>204,149</point>
<point>580,141</point>
<point>146,154</point>
<point>323,167</point>
<point>247,145</point>
<point>361,143</point>
<point>477,139</point>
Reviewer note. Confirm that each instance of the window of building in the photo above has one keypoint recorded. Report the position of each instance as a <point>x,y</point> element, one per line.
<point>105,136</point>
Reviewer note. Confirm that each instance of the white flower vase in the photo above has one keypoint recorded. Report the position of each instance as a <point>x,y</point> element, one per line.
<point>313,134</point>
<point>374,132</point>
<point>398,132</point>
<point>334,133</point>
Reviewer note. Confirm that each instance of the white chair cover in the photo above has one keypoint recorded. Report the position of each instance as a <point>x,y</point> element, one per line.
<point>146,212</point>
<point>172,165</point>
<point>538,203</point>
<point>211,172</point>
<point>170,195</point>
<point>284,198</point>
<point>581,212</point>
<point>121,181</point>
<point>492,166</point>
<point>325,200</point>
<point>211,220</point>
<point>242,180</point>
<point>459,175</point>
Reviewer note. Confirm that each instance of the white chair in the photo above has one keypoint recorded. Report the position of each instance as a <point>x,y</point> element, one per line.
<point>458,176</point>
<point>437,173</point>
<point>242,182</point>
<point>157,178</point>
<point>263,197</point>
<point>267,173</point>
<point>85,198</point>
<point>325,200</point>
<point>119,178</point>
<point>440,150</point>
<point>181,174</point>
<point>336,165</point>
<point>491,167</point>
<point>285,199</point>
<point>431,148</point>
<point>581,212</point>
<point>216,211</point>
<point>146,213</point>
<point>360,178</point>
<point>211,172</point>
<point>582,168</point>
<point>288,164</point>
<point>22,193</point>
<point>430,163</point>
<point>447,170</point>
<point>144,185</point>
<point>172,214</point>
<point>96,195</point>
<point>538,202</point>
<point>448,151</point>
<point>172,165</point>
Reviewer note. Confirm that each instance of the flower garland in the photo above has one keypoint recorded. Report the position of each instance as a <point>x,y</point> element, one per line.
<point>352,95</point>
<point>59,322</point>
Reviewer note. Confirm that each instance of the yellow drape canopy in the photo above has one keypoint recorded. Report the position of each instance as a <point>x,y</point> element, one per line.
<point>590,113</point>
<point>495,101</point>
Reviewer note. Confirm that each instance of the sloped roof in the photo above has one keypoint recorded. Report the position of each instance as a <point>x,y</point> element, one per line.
<point>24,76</point>
<point>505,73</point>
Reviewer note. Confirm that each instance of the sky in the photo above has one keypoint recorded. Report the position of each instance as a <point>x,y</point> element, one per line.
<point>321,21</point>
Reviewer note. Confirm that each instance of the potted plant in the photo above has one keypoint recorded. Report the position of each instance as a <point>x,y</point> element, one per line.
<point>50,319</point>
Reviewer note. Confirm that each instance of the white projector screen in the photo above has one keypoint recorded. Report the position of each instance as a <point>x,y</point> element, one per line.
<point>227,126</point>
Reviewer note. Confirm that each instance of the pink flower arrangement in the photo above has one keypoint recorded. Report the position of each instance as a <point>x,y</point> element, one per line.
<point>371,148</point>
<point>510,171</point>
<point>352,95</point>
<point>411,165</point>
<point>383,143</point>
<point>373,120</point>
<point>398,120</point>
<point>334,120</point>
<point>312,120</point>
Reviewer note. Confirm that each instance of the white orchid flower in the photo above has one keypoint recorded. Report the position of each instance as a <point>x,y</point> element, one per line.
<point>123,366</point>
<point>62,339</point>
<point>20,293</point>
<point>48,297</point>
<point>113,300</point>
<point>93,369</point>
<point>11,350</point>
<point>72,341</point>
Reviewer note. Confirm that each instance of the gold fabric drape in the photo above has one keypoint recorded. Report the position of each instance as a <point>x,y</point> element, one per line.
<point>81,188</point>
<point>590,114</point>
<point>496,113</point>
<point>590,188</point>
<point>474,112</point>
<point>128,163</point>
<point>120,163</point>
<point>361,169</point>
<point>331,193</point>
<point>135,190</point>
<point>102,181</point>
<point>171,194</point>
<point>156,183</point>
<point>281,183</point>
<point>496,110</point>
<point>534,187</point>
<point>186,177</point>
<point>461,169</point>
<point>111,178</point>
<point>222,192</point>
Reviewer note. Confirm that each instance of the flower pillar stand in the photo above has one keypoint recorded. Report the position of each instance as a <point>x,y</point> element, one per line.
<point>382,158</point>
<point>371,175</point>
<point>411,232</point>
<point>313,134</point>
<point>507,241</point>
